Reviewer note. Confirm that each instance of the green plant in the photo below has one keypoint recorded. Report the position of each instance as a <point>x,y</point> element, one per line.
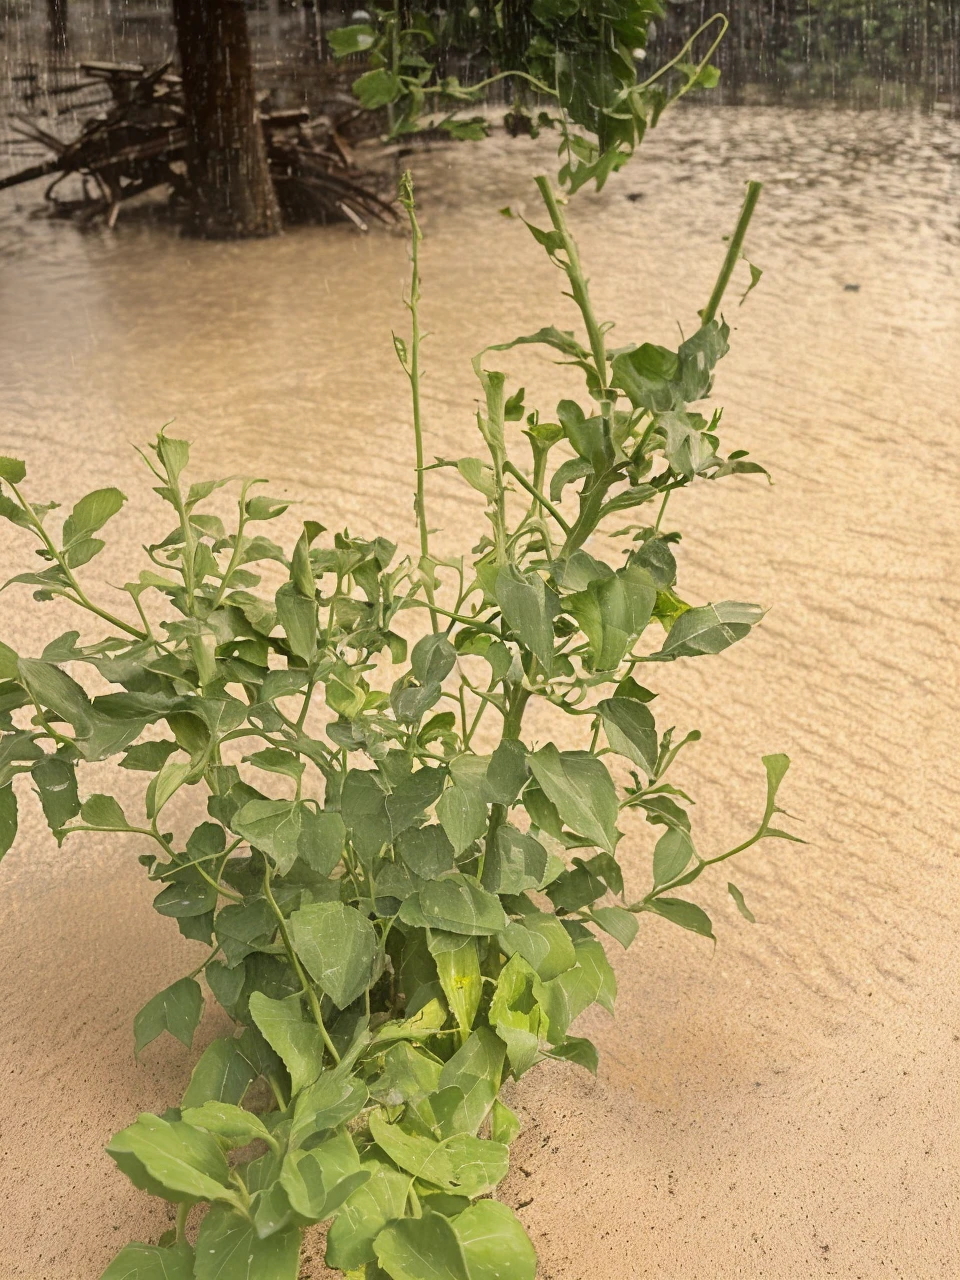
<point>569,65</point>
<point>398,921</point>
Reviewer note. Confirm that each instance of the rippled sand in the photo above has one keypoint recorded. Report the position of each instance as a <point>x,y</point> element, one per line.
<point>783,1107</point>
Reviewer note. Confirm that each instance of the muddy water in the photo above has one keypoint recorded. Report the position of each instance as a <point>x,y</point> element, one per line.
<point>782,1107</point>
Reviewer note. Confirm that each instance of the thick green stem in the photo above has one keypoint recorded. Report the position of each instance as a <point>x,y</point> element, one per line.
<point>733,252</point>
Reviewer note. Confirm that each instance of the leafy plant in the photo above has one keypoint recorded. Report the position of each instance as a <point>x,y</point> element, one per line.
<point>403,896</point>
<point>569,66</point>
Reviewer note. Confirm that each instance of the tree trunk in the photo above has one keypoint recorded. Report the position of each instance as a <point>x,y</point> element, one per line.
<point>57,11</point>
<point>233,193</point>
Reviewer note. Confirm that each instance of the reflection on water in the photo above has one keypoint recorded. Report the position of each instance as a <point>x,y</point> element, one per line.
<point>808,1061</point>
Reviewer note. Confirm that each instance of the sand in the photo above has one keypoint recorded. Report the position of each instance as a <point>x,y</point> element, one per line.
<point>782,1106</point>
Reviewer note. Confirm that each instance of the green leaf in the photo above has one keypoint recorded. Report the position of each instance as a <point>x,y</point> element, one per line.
<point>673,852</point>
<point>462,809</point>
<point>578,1050</point>
<point>709,629</point>
<point>227,1121</point>
<point>56,779</point>
<point>427,851</point>
<point>8,818</point>
<point>590,981</point>
<point>520,864</point>
<point>686,914</point>
<point>742,907</point>
<point>273,826</point>
<point>631,731</point>
<point>432,659</point>
<point>515,1012</point>
<point>424,1248</point>
<point>50,687</point>
<point>455,904</point>
<point>543,942</point>
<point>298,617</point>
<point>582,791</point>
<point>322,840</point>
<point>618,922</point>
<point>148,756</point>
<point>12,470</point>
<point>228,1248</point>
<point>377,88</point>
<point>298,1042</point>
<point>363,805</point>
<point>92,513</point>
<point>364,1214</point>
<point>9,660</point>
<point>177,1009</point>
<point>223,1074</point>
<point>338,947</point>
<point>357,38</point>
<point>182,1159</point>
<point>148,1262</point>
<point>276,760</point>
<point>494,1243</point>
<point>458,969</point>
<point>172,776</point>
<point>529,608</point>
<point>103,811</point>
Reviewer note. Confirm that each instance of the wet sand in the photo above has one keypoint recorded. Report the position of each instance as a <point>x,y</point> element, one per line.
<point>783,1106</point>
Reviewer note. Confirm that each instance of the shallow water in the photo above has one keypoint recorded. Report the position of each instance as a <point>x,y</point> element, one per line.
<point>781,1108</point>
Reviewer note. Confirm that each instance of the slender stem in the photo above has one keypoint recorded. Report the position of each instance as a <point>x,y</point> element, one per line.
<point>183,1212</point>
<point>681,54</point>
<point>412,369</point>
<point>81,595</point>
<point>297,966</point>
<point>237,546</point>
<point>535,494</point>
<point>457,617</point>
<point>734,250</point>
<point>203,964</point>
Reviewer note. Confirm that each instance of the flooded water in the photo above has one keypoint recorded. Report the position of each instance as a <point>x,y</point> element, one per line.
<point>785,1106</point>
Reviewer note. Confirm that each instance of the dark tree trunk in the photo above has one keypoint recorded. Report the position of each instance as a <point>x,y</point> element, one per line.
<point>233,193</point>
<point>57,11</point>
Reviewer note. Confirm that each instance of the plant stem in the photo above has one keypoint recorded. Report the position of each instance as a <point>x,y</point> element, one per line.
<point>298,968</point>
<point>412,369</point>
<point>734,250</point>
<point>534,493</point>
<point>81,595</point>
<point>183,1212</point>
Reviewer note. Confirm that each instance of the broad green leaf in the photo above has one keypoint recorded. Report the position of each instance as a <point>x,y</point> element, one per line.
<point>671,856</point>
<point>427,851</point>
<point>631,731</point>
<point>377,88</point>
<point>582,791</point>
<point>298,617</point>
<point>103,811</point>
<point>504,1123</point>
<point>338,947</point>
<point>149,756</point>
<point>612,612</point>
<point>618,922</point>
<point>50,687</point>
<point>462,809</point>
<point>529,608</point>
<point>494,1243</point>
<point>423,1157</point>
<point>363,804</point>
<point>455,904</point>
<point>432,659</point>
<point>459,973</point>
<point>9,660</point>
<point>590,981</point>
<point>176,1009</point>
<point>149,1262</point>
<point>412,797</point>
<point>507,772</point>
<point>364,1214</point>
<point>514,1011</point>
<point>709,629</point>
<point>179,1157</point>
<point>316,1185</point>
<point>424,1248</point>
<point>228,1248</point>
<point>357,38</point>
<point>12,470</point>
<point>330,1101</point>
<point>578,1050</point>
<point>520,862</point>
<point>227,1121</point>
<point>223,1074</point>
<point>189,896</point>
<point>56,785</point>
<point>297,1041</point>
<point>686,914</point>
<point>92,513</point>
<point>273,826</point>
<point>322,839</point>
<point>276,760</point>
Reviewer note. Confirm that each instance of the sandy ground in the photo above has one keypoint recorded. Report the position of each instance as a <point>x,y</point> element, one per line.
<point>784,1106</point>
